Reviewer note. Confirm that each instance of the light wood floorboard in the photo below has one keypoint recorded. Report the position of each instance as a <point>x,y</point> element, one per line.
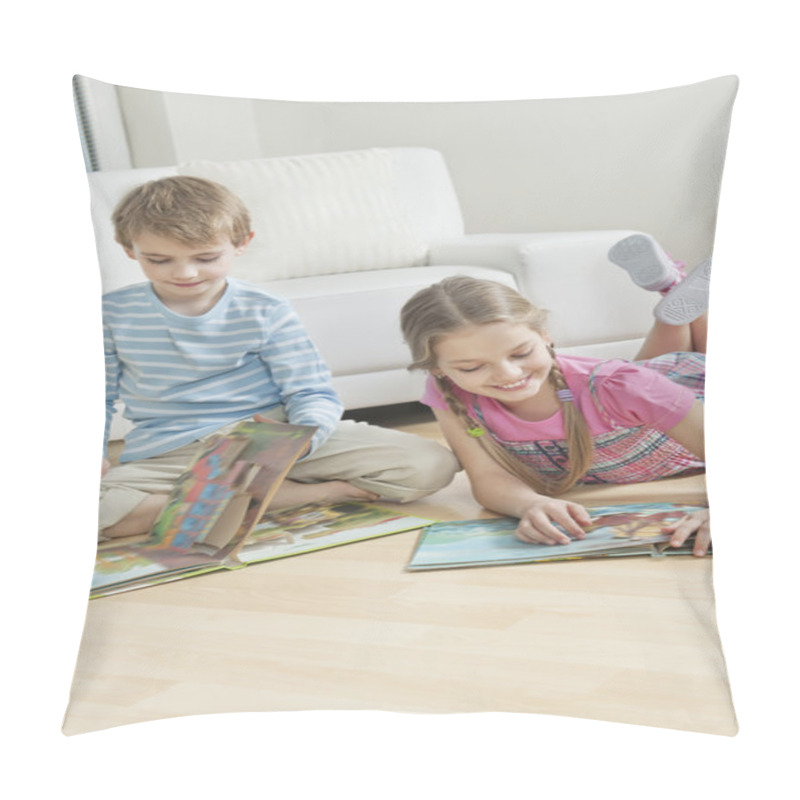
<point>625,640</point>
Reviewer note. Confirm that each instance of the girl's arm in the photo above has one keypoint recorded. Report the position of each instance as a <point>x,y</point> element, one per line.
<point>690,431</point>
<point>504,493</point>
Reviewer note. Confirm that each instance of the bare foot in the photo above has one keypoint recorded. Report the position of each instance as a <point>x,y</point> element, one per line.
<point>292,493</point>
<point>140,520</point>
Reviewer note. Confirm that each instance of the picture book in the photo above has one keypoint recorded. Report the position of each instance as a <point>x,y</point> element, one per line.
<point>303,529</point>
<point>215,518</point>
<point>210,511</point>
<point>619,530</point>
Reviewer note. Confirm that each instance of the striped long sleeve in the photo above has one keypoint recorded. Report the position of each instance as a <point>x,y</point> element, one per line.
<point>181,378</point>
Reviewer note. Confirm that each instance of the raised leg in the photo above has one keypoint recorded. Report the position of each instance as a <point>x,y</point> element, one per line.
<point>663,338</point>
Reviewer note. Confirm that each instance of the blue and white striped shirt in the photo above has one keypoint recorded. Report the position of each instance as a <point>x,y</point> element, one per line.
<point>182,378</point>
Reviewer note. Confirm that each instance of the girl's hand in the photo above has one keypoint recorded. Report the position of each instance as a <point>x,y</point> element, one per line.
<point>696,522</point>
<point>536,524</point>
<point>105,467</point>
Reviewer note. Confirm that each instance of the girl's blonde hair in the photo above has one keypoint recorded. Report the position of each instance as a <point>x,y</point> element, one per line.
<point>194,211</point>
<point>460,301</point>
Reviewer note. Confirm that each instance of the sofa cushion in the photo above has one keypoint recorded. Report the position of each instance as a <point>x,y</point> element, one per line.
<point>426,193</point>
<point>107,188</point>
<point>318,214</point>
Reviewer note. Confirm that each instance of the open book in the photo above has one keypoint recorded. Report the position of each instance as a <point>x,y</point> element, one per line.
<point>210,511</point>
<point>621,530</point>
<point>214,518</point>
<point>304,529</point>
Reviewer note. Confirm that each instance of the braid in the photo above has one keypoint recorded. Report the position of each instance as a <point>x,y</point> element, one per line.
<point>579,441</point>
<point>454,402</point>
<point>580,447</point>
<point>460,301</point>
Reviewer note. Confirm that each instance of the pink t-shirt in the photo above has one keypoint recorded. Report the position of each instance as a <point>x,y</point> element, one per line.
<point>631,395</point>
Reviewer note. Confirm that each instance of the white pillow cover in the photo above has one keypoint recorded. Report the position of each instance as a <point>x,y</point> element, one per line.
<point>318,214</point>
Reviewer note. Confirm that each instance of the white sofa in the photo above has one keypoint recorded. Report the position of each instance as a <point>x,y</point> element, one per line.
<point>348,237</point>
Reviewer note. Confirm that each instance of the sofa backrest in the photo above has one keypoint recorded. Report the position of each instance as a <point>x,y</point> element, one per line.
<point>318,214</point>
<point>106,190</point>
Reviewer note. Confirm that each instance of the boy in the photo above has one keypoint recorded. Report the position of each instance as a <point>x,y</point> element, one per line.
<point>193,351</point>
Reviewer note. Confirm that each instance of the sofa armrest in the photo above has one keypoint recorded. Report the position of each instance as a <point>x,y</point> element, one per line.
<point>590,299</point>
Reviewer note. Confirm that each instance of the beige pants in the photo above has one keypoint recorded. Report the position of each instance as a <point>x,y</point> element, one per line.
<point>397,466</point>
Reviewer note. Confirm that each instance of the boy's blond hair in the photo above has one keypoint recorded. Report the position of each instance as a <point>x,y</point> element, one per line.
<point>194,211</point>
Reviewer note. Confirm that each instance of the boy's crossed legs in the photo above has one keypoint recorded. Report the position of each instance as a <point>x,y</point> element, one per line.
<point>357,462</point>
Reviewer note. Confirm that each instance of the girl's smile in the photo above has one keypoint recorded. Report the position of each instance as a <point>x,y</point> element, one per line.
<point>507,361</point>
<point>512,387</point>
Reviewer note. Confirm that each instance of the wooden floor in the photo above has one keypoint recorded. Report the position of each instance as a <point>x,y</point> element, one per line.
<point>625,640</point>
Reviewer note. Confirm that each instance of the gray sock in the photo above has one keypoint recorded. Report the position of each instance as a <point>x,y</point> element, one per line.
<point>644,260</point>
<point>689,299</point>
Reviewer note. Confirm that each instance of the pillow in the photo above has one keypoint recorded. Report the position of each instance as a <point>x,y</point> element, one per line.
<point>629,640</point>
<point>319,214</point>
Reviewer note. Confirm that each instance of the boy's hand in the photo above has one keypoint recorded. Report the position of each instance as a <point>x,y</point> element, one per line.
<point>536,524</point>
<point>105,467</point>
<point>696,522</point>
<point>262,418</point>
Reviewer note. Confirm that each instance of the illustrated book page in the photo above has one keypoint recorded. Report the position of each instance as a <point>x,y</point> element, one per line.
<point>620,530</point>
<point>304,529</point>
<point>211,510</point>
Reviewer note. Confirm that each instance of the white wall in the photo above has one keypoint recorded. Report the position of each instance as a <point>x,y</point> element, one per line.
<point>650,161</point>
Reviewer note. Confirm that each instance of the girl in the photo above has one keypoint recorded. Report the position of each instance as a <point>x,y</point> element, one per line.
<point>527,425</point>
